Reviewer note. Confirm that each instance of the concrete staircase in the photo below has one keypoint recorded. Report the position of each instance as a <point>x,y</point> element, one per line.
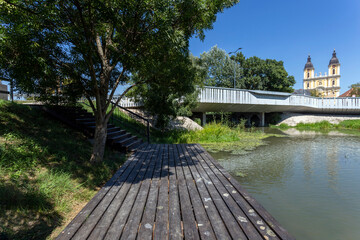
<point>84,121</point>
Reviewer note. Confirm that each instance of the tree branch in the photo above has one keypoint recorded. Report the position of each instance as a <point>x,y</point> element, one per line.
<point>21,7</point>
<point>115,87</point>
<point>107,117</point>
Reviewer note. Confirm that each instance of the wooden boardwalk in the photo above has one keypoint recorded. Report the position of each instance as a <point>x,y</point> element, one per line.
<point>173,192</point>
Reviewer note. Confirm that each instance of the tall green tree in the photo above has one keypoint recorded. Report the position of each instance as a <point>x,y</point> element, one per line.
<point>217,68</point>
<point>97,45</point>
<point>250,73</point>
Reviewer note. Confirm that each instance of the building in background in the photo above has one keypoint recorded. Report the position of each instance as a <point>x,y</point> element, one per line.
<point>327,84</point>
<point>3,92</point>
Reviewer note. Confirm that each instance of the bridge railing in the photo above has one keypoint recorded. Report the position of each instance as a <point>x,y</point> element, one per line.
<point>224,95</point>
<point>241,96</point>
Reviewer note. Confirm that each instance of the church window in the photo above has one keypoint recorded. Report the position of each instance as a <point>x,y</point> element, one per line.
<point>333,71</point>
<point>308,85</point>
<point>308,74</point>
<point>320,83</point>
<point>333,82</point>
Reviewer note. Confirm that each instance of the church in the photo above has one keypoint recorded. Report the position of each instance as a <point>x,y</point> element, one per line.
<point>326,85</point>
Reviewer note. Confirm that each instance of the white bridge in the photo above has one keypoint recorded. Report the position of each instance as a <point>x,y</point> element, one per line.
<point>214,99</point>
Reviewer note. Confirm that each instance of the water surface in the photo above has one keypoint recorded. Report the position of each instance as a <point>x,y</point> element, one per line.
<point>309,182</point>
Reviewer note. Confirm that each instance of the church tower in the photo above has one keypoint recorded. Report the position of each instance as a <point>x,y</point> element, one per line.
<point>309,72</point>
<point>327,84</point>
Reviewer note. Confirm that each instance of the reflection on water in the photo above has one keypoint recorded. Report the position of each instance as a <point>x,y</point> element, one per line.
<point>309,183</point>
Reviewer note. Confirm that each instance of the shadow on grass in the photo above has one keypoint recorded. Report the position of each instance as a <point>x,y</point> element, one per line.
<point>54,146</point>
<point>26,213</point>
<point>32,144</point>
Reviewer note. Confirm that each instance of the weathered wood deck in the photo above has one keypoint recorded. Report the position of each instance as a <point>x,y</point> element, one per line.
<point>173,192</point>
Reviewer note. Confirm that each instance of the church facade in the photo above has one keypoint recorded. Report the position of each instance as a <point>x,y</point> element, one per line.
<point>327,84</point>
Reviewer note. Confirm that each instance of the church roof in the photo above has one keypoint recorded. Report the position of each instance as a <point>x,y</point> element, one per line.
<point>309,64</point>
<point>334,59</point>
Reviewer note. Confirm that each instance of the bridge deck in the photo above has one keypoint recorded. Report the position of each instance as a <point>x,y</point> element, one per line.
<point>176,192</point>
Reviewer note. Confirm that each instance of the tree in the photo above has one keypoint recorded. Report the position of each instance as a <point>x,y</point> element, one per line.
<point>355,90</point>
<point>97,46</point>
<point>250,73</point>
<point>217,68</point>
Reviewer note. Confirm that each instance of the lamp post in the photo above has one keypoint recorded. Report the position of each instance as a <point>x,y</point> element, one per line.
<point>235,65</point>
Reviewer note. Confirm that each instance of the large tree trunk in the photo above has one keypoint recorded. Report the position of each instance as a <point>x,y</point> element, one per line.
<point>98,150</point>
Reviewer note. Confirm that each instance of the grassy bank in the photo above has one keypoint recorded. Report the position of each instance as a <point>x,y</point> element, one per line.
<point>214,137</point>
<point>218,137</point>
<point>324,125</point>
<point>45,174</point>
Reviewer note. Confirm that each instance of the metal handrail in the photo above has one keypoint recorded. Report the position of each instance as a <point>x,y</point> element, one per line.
<point>139,116</point>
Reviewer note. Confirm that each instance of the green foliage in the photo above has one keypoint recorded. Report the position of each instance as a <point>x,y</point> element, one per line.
<point>355,90</point>
<point>217,69</point>
<point>89,48</point>
<point>350,124</point>
<point>282,126</point>
<point>323,125</point>
<point>44,171</point>
<point>212,133</point>
<point>315,93</point>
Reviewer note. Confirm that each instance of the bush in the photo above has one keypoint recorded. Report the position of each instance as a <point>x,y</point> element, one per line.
<point>351,124</point>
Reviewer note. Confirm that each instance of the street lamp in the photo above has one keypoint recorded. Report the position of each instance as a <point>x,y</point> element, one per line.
<point>235,65</point>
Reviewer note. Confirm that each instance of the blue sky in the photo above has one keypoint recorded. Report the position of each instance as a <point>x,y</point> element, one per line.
<point>289,30</point>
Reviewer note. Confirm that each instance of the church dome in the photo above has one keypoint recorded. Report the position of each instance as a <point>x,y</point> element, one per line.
<point>309,64</point>
<point>334,60</point>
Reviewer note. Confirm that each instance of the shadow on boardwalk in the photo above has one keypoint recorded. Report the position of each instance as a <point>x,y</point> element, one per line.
<point>173,191</point>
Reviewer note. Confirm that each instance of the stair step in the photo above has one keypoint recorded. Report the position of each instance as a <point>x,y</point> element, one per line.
<point>87,123</point>
<point>113,129</point>
<point>84,119</point>
<point>113,134</point>
<point>120,137</point>
<point>126,140</point>
<point>133,145</point>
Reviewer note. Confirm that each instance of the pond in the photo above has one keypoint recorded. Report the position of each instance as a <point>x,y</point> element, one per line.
<point>309,182</point>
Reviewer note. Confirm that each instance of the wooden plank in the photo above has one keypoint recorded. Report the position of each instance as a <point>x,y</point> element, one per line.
<point>246,225</point>
<point>175,230</point>
<point>250,213</point>
<point>148,218</point>
<point>259,209</point>
<point>187,211</point>
<point>215,219</point>
<point>132,225</point>
<point>116,227</point>
<point>106,210</point>
<point>203,222</point>
<point>230,221</point>
<point>162,210</point>
<point>80,218</point>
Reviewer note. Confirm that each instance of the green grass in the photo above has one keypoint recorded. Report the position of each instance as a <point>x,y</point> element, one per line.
<point>218,137</point>
<point>324,126</point>
<point>45,173</point>
<point>350,124</point>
